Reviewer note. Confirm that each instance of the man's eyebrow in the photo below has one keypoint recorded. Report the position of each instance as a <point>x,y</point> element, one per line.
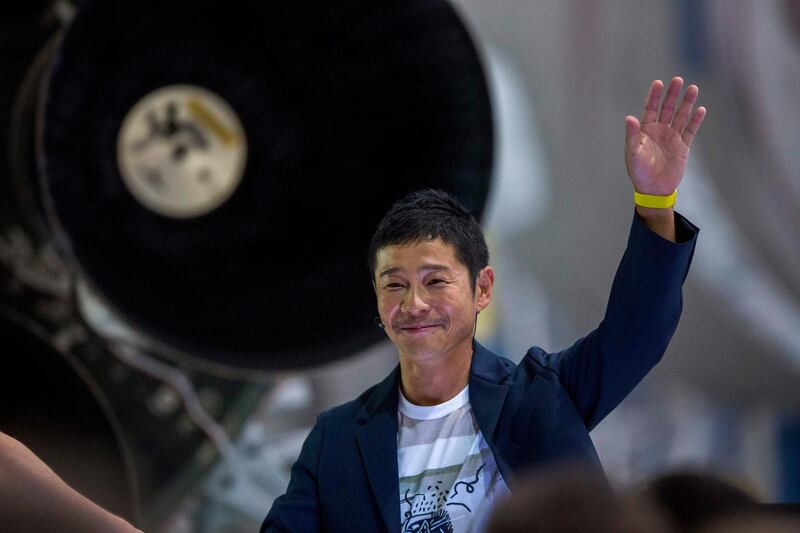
<point>429,267</point>
<point>389,272</point>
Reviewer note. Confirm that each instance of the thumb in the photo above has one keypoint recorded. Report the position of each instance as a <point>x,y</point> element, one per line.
<point>632,128</point>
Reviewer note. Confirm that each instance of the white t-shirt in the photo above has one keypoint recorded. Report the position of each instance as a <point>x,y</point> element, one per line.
<point>448,476</point>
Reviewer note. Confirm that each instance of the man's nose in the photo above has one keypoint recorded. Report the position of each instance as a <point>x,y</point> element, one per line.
<point>414,301</point>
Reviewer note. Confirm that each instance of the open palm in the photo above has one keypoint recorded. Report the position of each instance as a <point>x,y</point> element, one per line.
<point>657,147</point>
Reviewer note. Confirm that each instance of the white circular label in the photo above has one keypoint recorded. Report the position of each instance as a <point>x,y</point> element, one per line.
<point>181,151</point>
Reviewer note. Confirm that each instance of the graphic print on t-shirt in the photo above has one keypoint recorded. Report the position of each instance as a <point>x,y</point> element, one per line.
<point>448,476</point>
<point>427,512</point>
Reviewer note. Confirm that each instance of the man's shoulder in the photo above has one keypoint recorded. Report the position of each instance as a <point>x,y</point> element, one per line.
<point>352,408</point>
<point>366,403</point>
<point>496,368</point>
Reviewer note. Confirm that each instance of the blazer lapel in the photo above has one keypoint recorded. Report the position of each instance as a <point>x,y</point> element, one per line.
<point>486,374</point>
<point>377,442</point>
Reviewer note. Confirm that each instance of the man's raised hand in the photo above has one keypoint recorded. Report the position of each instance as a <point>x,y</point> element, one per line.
<point>657,146</point>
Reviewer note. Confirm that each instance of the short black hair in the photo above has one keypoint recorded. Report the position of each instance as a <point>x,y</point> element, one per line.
<point>430,214</point>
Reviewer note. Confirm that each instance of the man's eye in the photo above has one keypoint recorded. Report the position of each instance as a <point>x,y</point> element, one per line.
<point>393,285</point>
<point>436,281</point>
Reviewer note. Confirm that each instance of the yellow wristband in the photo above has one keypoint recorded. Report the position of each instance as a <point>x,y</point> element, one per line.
<point>659,202</point>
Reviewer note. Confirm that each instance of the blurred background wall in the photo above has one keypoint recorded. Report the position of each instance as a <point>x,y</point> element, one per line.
<point>562,75</point>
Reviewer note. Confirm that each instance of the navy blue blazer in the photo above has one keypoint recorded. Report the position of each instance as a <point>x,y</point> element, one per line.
<point>539,411</point>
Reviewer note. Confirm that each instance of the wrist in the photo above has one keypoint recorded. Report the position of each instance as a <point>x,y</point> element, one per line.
<point>655,213</point>
<point>651,200</point>
<point>659,221</point>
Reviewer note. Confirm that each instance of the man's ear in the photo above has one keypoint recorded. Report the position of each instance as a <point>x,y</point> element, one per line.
<point>484,285</point>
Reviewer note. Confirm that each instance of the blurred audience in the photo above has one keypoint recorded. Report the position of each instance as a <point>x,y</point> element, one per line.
<point>575,499</point>
<point>566,498</point>
<point>572,499</point>
<point>753,522</point>
<point>692,499</point>
<point>707,502</point>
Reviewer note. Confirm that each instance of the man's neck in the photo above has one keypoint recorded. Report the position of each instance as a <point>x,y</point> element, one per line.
<point>436,381</point>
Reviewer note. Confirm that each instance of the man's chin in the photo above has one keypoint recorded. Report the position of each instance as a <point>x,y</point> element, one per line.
<point>417,351</point>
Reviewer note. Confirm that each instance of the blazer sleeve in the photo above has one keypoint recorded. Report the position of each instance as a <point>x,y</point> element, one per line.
<point>298,509</point>
<point>646,299</point>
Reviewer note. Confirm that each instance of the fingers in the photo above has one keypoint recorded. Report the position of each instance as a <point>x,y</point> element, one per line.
<point>668,107</point>
<point>682,116</point>
<point>651,102</point>
<point>691,130</point>
<point>684,121</point>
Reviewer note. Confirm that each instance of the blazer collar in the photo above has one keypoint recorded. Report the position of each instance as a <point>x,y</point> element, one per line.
<point>384,397</point>
<point>486,365</point>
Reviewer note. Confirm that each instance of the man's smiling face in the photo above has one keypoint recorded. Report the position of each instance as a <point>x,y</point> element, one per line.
<point>426,299</point>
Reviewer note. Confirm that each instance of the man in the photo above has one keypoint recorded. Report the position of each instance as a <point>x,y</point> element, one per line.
<point>433,445</point>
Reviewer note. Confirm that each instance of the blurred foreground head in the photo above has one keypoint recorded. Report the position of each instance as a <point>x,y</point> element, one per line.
<point>755,522</point>
<point>706,502</point>
<point>572,499</point>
